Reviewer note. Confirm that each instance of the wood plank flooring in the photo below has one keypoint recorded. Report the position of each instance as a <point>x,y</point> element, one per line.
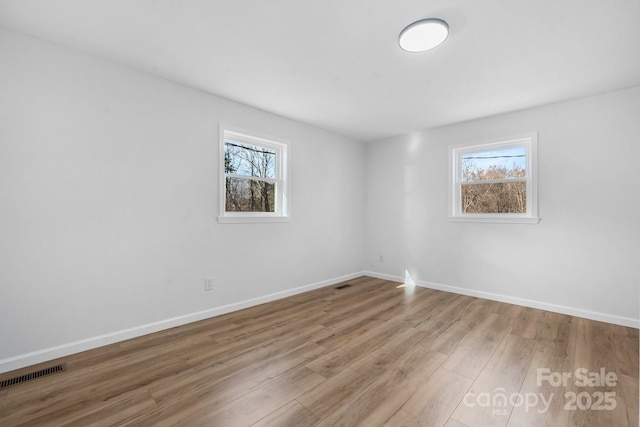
<point>372,354</point>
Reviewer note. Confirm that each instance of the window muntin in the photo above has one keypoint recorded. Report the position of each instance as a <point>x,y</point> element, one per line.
<point>253,178</point>
<point>495,181</point>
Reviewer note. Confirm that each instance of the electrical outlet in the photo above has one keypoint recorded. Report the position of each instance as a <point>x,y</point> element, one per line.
<point>208,284</point>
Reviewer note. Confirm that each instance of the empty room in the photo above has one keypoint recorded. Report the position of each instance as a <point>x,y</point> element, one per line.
<point>319,213</point>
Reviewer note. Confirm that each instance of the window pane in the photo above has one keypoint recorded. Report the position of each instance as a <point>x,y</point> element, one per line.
<point>505,197</point>
<point>249,160</point>
<point>248,195</point>
<point>495,164</point>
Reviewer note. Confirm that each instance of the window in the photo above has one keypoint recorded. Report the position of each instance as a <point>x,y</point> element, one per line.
<point>495,181</point>
<point>253,178</point>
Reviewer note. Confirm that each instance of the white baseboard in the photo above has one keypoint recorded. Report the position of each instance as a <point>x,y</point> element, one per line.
<point>44,355</point>
<point>572,311</point>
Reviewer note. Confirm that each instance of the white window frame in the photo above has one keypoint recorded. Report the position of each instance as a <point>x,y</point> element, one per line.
<point>530,142</point>
<point>281,180</point>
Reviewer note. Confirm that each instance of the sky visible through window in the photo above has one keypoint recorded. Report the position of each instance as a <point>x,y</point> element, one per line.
<point>507,159</point>
<point>250,160</point>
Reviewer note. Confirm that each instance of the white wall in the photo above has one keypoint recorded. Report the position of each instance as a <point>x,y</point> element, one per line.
<point>582,258</point>
<point>109,201</point>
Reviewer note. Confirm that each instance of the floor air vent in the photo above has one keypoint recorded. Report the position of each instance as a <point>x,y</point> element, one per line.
<point>32,376</point>
<point>343,286</point>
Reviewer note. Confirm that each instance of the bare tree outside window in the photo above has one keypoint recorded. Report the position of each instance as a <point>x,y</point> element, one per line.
<point>494,181</point>
<point>250,173</point>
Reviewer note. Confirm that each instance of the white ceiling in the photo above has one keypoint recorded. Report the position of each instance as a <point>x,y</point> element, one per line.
<point>336,64</point>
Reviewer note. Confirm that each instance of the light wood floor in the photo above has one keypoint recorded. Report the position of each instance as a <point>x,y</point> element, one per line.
<point>371,354</point>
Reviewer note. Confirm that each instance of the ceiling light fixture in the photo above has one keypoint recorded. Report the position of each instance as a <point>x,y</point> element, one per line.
<point>423,35</point>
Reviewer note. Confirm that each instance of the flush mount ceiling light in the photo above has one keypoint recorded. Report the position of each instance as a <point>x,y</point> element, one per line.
<point>423,35</point>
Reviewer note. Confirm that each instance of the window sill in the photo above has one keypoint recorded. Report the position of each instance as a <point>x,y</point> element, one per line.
<point>251,219</point>
<point>494,219</point>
